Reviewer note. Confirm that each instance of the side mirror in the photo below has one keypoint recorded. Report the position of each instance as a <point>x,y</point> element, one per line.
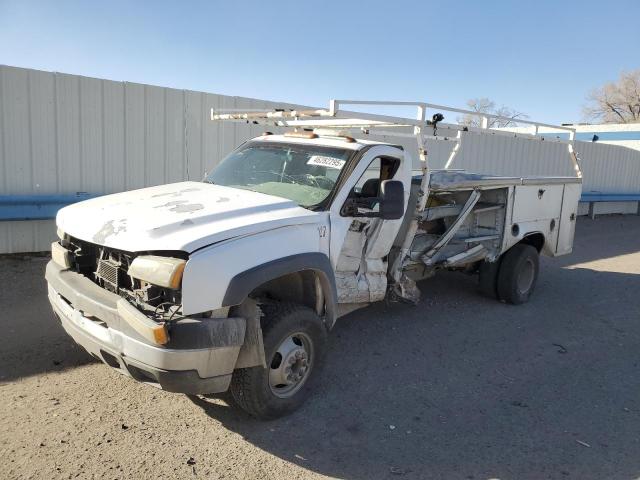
<point>391,199</point>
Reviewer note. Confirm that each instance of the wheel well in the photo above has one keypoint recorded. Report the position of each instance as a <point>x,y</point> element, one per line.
<point>536,240</point>
<point>305,278</point>
<point>297,287</point>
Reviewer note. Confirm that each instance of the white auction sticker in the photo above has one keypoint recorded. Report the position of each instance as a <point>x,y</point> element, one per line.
<point>329,162</point>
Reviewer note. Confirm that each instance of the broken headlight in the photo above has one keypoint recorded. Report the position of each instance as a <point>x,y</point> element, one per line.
<point>161,271</point>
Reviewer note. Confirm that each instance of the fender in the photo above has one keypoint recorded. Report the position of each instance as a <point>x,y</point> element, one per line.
<point>242,284</point>
<point>535,228</point>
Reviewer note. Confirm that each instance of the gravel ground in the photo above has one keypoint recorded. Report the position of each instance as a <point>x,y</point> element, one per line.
<point>458,387</point>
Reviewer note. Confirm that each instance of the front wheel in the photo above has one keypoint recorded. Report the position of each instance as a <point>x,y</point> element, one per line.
<point>294,343</point>
<point>518,274</point>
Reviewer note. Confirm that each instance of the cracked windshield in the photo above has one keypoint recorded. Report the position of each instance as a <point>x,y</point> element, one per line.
<point>304,174</point>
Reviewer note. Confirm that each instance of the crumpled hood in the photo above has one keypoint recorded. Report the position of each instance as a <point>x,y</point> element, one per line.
<point>180,216</point>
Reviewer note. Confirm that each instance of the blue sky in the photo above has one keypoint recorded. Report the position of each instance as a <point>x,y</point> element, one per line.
<point>539,57</point>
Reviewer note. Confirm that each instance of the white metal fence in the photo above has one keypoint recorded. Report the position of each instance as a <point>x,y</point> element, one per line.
<point>64,133</point>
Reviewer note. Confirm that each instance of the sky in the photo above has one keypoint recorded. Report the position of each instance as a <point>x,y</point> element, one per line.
<point>538,57</point>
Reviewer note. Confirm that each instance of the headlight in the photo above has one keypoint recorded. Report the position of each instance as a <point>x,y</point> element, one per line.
<point>161,271</point>
<point>60,233</point>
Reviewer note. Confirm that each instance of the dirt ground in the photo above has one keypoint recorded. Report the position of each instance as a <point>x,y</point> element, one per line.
<point>458,387</point>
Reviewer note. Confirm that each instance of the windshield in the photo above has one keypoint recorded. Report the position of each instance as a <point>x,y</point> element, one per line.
<point>305,174</point>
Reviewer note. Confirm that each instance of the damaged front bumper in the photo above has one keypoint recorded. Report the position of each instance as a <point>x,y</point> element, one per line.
<point>199,357</point>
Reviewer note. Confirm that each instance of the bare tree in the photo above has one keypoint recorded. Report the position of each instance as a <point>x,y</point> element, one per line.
<point>484,105</point>
<point>616,102</point>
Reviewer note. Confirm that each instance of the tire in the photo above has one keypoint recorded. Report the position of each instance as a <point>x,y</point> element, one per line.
<point>293,334</point>
<point>518,274</point>
<point>488,278</point>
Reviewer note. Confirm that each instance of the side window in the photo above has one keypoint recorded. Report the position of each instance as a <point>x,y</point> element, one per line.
<point>380,168</point>
<point>365,193</point>
<point>369,179</point>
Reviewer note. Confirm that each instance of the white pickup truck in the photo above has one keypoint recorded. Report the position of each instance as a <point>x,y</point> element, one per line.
<point>235,282</point>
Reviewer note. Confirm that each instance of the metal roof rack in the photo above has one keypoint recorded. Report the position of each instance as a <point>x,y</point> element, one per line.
<point>419,127</point>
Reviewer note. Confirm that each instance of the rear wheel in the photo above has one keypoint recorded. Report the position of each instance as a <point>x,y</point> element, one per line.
<point>518,274</point>
<point>294,343</point>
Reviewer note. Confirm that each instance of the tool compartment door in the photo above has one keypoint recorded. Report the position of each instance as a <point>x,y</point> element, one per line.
<point>537,202</point>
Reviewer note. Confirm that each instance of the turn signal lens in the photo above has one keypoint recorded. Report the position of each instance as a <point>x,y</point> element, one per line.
<point>152,331</point>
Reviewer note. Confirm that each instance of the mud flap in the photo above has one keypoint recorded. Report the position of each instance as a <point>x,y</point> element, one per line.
<point>252,350</point>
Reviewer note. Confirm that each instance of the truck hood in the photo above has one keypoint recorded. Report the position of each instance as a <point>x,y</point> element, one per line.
<point>180,216</point>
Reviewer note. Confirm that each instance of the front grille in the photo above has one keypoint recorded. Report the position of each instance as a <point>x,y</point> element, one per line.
<point>109,272</point>
<point>109,268</point>
<point>105,266</point>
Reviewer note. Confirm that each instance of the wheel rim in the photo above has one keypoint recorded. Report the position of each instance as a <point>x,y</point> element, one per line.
<point>526,276</point>
<point>291,365</point>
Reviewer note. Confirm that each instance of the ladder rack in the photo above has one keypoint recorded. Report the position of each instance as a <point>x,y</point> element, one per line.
<point>420,127</point>
<point>335,117</point>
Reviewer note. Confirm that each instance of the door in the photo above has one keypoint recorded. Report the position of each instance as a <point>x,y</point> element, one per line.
<point>360,242</point>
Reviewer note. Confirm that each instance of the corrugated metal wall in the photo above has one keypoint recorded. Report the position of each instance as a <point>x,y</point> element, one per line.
<point>64,133</point>
<point>605,168</point>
